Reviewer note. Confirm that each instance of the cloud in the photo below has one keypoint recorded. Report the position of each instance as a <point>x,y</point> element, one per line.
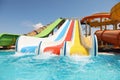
<point>38,25</point>
<point>32,25</point>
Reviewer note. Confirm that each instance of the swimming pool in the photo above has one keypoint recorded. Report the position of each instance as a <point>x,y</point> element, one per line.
<point>46,67</point>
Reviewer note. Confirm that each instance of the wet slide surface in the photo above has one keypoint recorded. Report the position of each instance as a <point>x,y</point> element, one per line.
<point>29,44</point>
<point>56,48</point>
<point>67,40</point>
<point>56,38</point>
<point>77,48</point>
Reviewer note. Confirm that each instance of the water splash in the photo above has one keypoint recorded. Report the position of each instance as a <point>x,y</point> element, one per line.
<point>81,59</point>
<point>46,55</point>
<point>19,54</point>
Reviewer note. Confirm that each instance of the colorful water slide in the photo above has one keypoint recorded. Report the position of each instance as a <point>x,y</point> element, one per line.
<point>30,44</point>
<point>79,45</point>
<point>56,46</point>
<point>7,40</point>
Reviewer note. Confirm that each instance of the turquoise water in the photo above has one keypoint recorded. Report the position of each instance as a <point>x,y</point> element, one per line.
<point>49,67</point>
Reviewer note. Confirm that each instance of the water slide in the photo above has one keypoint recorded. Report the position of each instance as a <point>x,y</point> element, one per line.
<point>9,40</point>
<point>56,46</point>
<point>6,40</point>
<point>37,31</point>
<point>50,28</point>
<point>80,45</point>
<point>30,44</point>
<point>109,36</point>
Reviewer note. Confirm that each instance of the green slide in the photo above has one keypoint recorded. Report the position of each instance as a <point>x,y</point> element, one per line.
<point>50,28</point>
<point>7,40</point>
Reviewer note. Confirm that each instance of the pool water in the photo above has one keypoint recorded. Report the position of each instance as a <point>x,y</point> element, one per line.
<point>50,67</point>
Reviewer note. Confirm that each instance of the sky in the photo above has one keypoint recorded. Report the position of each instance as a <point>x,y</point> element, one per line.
<point>21,16</point>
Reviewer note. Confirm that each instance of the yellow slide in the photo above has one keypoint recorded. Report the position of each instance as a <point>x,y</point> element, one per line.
<point>80,45</point>
<point>76,46</point>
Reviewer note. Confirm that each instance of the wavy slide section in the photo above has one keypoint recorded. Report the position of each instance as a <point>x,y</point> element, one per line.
<point>30,44</point>
<point>55,46</point>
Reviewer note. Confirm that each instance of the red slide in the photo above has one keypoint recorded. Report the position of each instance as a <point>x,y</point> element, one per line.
<point>56,48</point>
